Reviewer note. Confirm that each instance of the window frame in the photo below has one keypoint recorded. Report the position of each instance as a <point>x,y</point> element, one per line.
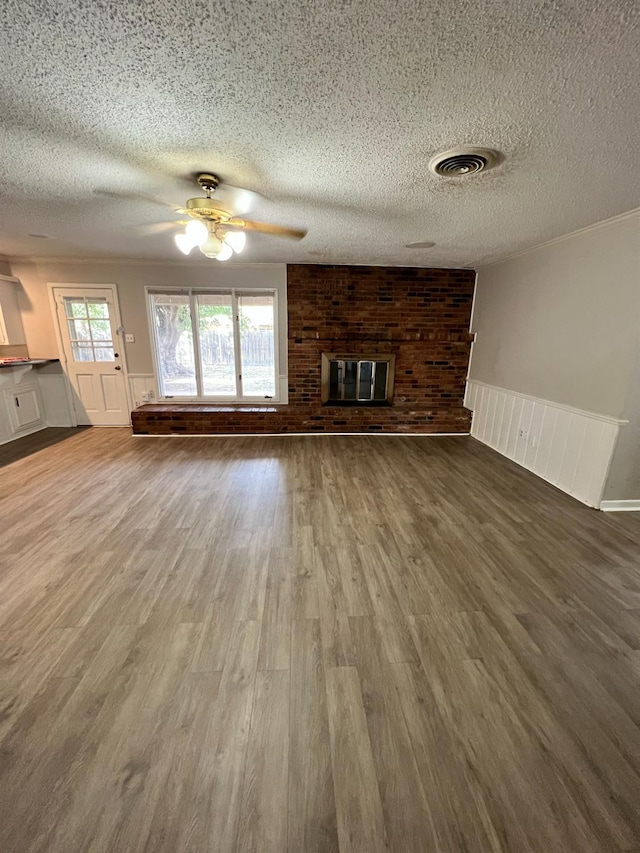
<point>234,293</point>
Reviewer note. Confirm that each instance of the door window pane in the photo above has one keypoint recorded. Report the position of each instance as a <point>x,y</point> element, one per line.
<point>256,320</point>
<point>82,351</point>
<point>103,352</point>
<point>174,337</point>
<point>79,330</point>
<point>75,306</point>
<point>100,330</point>
<point>217,354</point>
<point>98,309</point>
<point>89,328</point>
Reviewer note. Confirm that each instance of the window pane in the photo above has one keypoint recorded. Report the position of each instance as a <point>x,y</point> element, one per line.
<point>217,357</point>
<point>98,308</point>
<point>82,351</point>
<point>257,346</point>
<point>79,330</point>
<point>75,307</point>
<point>100,330</point>
<point>172,320</point>
<point>104,352</point>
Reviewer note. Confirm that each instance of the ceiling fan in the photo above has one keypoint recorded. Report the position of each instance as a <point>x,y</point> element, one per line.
<point>216,231</point>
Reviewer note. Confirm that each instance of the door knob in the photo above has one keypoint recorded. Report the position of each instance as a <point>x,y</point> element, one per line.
<point>117,367</point>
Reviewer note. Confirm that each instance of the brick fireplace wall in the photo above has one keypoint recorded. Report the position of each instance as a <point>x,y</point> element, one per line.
<point>421,315</point>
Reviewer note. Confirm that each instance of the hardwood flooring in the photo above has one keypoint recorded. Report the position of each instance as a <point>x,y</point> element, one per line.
<point>312,644</point>
<point>11,451</point>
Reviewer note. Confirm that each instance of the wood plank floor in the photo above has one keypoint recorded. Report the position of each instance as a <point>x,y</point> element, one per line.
<point>28,444</point>
<point>312,644</point>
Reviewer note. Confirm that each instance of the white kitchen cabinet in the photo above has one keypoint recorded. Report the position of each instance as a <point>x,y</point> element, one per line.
<point>32,399</point>
<point>24,406</point>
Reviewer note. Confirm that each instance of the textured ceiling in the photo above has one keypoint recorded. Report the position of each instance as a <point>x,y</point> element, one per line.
<point>330,109</point>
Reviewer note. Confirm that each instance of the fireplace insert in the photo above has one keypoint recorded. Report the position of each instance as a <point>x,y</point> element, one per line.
<point>357,380</point>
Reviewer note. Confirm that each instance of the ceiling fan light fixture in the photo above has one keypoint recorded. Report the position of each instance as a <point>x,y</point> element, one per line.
<point>197,232</point>
<point>225,253</point>
<point>236,239</point>
<point>212,246</point>
<point>185,243</point>
<point>210,218</point>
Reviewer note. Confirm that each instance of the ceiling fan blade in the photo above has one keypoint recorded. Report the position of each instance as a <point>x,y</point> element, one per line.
<point>236,199</point>
<point>136,197</point>
<point>267,228</point>
<point>158,227</point>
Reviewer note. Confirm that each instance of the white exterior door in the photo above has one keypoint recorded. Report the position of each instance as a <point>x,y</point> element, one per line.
<point>88,320</point>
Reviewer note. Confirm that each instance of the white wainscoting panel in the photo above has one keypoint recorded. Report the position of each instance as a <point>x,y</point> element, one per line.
<point>141,384</point>
<point>55,393</point>
<point>567,447</point>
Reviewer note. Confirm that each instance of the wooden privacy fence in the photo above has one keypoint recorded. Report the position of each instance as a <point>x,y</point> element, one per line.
<point>256,347</point>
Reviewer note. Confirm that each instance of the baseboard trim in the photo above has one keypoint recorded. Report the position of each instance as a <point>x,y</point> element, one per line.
<point>620,506</point>
<point>296,434</point>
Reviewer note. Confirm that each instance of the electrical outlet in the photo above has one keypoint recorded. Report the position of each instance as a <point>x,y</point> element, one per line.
<point>130,339</point>
<point>524,434</point>
<point>151,394</point>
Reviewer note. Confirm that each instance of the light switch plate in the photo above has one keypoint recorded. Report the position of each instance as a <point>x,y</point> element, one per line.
<point>130,339</point>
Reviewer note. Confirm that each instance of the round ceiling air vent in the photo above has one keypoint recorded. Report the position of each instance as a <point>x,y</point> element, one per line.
<point>460,162</point>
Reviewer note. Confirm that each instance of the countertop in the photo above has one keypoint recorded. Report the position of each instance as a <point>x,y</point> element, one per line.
<point>28,362</point>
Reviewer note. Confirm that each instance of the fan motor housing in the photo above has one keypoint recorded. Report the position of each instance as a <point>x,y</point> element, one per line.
<point>208,181</point>
<point>464,161</point>
<point>206,208</point>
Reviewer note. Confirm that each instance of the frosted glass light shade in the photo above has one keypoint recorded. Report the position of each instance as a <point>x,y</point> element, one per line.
<point>185,243</point>
<point>197,231</point>
<point>236,239</point>
<point>225,253</point>
<point>211,246</point>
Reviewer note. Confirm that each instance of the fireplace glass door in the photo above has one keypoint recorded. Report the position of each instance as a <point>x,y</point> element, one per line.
<point>356,379</point>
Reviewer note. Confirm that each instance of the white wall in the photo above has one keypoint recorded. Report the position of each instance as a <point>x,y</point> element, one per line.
<point>623,483</point>
<point>561,324</point>
<point>130,277</point>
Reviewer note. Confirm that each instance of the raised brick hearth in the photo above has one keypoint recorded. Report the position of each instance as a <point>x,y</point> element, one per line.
<point>420,315</point>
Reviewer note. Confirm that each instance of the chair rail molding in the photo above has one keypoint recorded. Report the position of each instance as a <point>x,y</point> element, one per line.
<point>569,448</point>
